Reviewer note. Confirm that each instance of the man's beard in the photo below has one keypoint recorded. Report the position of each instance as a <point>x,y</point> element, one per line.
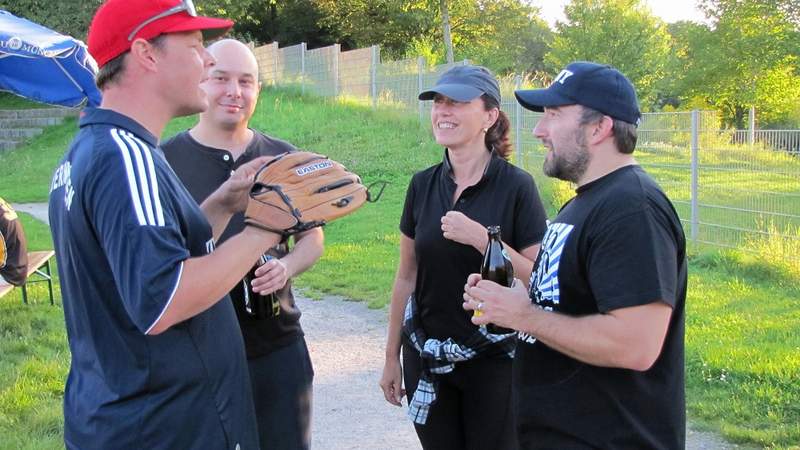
<point>569,167</point>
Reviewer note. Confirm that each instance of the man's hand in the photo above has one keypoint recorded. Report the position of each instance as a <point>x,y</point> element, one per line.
<point>460,228</point>
<point>270,277</point>
<point>502,306</point>
<point>392,381</point>
<point>234,193</point>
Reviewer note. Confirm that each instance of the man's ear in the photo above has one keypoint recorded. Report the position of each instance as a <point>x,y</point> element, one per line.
<point>601,130</point>
<point>143,54</point>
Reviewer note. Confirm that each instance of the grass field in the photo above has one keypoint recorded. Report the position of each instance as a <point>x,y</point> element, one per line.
<point>34,360</point>
<point>743,194</point>
<point>743,348</point>
<point>12,101</point>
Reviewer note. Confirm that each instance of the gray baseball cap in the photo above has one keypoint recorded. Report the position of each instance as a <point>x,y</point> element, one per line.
<point>463,84</point>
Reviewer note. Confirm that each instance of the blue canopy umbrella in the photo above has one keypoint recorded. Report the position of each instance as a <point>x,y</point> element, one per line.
<point>42,65</point>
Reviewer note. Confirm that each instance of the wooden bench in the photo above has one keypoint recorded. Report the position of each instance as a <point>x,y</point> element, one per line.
<point>38,272</point>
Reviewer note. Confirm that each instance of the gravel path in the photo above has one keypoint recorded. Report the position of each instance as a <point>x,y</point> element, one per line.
<point>346,340</point>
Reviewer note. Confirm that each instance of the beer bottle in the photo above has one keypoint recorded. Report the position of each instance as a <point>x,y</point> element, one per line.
<point>257,305</point>
<point>497,267</point>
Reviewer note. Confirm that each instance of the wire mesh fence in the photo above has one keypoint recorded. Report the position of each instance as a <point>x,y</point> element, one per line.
<point>731,188</point>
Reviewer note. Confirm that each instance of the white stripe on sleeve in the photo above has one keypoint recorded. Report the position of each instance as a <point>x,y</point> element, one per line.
<point>159,211</point>
<point>143,176</point>
<point>133,184</point>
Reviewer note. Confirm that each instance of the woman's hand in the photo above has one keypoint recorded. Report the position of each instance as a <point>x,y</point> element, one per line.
<point>460,228</point>
<point>392,381</point>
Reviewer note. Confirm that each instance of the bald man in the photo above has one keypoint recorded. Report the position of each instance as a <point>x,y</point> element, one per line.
<point>203,158</point>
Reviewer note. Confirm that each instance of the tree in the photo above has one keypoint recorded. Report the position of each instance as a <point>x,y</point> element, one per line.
<point>392,24</point>
<point>448,39</point>
<point>747,57</point>
<point>622,33</point>
<point>504,34</point>
<point>70,17</point>
<point>287,22</point>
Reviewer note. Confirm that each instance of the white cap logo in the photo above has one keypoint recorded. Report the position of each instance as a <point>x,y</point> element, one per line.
<point>562,76</point>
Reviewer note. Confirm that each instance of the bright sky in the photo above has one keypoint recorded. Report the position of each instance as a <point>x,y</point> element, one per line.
<point>667,10</point>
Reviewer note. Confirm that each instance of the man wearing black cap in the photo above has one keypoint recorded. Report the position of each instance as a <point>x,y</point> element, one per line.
<point>600,358</point>
<point>157,359</point>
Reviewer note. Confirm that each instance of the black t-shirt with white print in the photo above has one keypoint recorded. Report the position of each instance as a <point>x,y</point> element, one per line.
<point>618,243</point>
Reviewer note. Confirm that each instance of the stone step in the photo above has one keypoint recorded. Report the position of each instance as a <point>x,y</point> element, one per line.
<point>32,122</point>
<point>38,112</point>
<point>7,144</point>
<point>19,133</point>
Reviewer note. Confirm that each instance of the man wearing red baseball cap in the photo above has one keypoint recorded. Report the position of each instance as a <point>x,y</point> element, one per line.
<point>157,359</point>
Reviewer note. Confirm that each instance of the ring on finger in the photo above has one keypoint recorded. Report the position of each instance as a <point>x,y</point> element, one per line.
<point>479,307</point>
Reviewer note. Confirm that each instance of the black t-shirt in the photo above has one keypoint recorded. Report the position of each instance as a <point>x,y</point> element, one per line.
<point>618,243</point>
<point>505,196</point>
<point>203,169</point>
<point>13,247</point>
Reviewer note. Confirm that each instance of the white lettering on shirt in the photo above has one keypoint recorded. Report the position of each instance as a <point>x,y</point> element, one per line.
<point>62,178</point>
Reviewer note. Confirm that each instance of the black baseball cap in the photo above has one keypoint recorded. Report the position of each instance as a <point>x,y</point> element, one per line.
<point>464,83</point>
<point>600,87</point>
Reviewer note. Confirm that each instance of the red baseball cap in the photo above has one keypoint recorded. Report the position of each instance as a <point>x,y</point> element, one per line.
<point>117,23</point>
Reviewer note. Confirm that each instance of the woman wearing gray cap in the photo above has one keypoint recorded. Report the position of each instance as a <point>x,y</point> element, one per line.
<point>458,376</point>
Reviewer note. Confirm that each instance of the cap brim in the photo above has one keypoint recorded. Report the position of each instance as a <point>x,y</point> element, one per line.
<point>457,92</point>
<point>211,27</point>
<point>538,99</point>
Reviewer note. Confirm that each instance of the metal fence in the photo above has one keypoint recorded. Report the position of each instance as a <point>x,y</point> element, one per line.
<point>732,188</point>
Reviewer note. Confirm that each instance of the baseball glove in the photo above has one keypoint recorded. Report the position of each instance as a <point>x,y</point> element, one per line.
<point>301,190</point>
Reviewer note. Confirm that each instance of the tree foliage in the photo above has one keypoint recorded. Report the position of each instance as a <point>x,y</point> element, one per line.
<point>622,33</point>
<point>747,57</point>
<point>70,17</point>
<point>392,24</point>
<point>504,34</point>
<point>287,22</point>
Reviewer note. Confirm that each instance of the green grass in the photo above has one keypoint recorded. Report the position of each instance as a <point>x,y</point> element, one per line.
<point>13,101</point>
<point>744,193</point>
<point>34,362</point>
<point>742,343</point>
<point>26,171</point>
<point>743,349</point>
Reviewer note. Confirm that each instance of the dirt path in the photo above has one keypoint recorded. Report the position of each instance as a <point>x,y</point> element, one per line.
<point>346,342</point>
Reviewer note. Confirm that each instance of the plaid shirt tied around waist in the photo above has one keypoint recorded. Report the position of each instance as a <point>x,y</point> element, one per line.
<point>439,357</point>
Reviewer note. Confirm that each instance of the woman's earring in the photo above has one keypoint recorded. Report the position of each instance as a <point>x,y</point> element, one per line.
<point>485,130</point>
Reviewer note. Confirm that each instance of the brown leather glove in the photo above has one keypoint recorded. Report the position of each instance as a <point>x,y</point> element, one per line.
<point>297,191</point>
